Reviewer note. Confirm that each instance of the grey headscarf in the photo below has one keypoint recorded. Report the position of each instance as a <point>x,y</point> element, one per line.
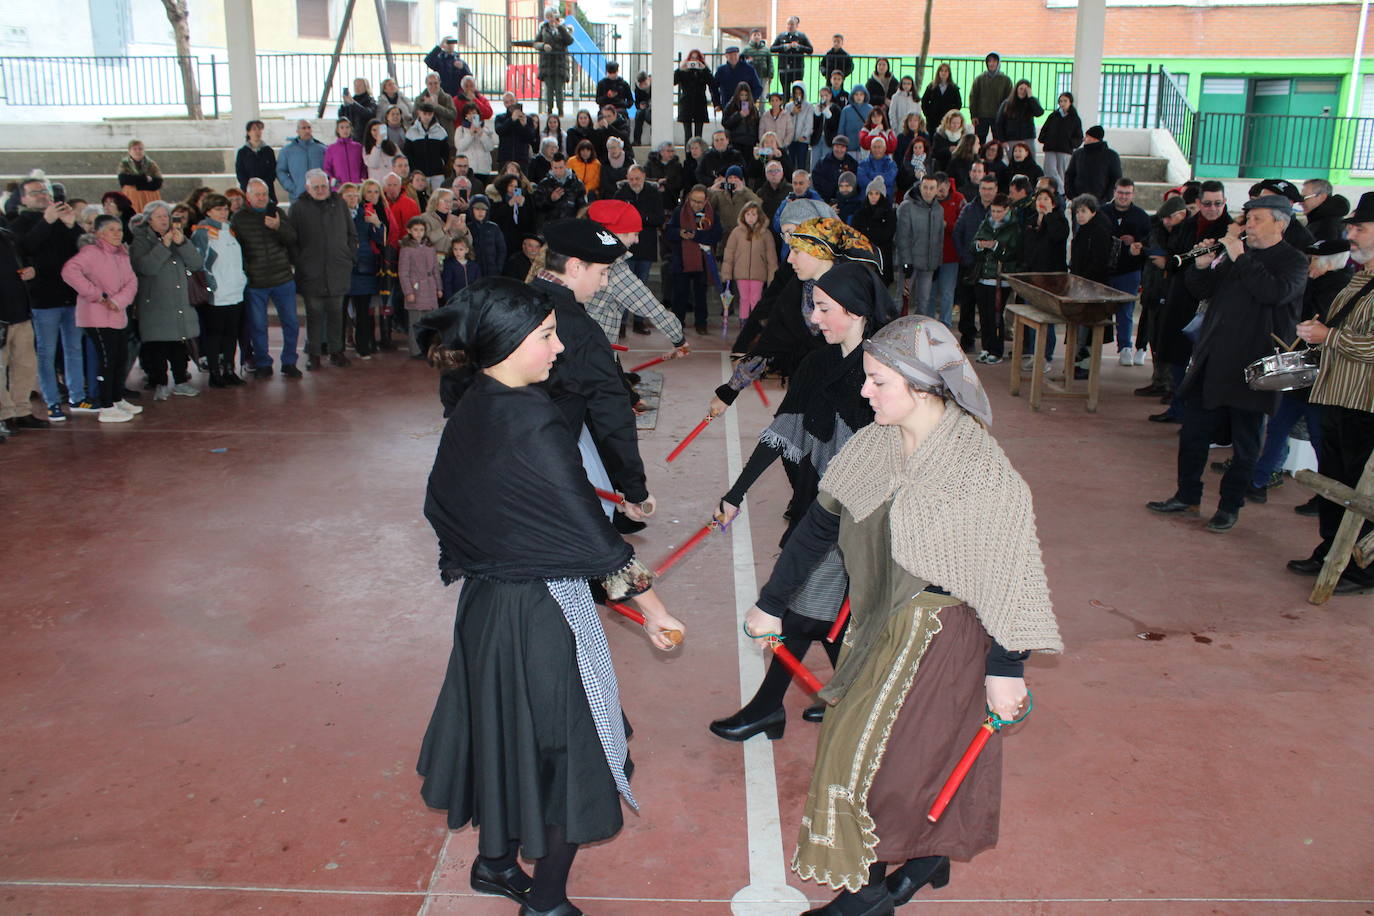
<point>927,354</point>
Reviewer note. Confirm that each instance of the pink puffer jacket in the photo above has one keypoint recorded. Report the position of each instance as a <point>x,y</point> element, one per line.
<point>99,268</point>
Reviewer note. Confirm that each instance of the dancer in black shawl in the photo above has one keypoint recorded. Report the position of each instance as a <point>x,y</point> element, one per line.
<point>821,411</point>
<point>527,739</point>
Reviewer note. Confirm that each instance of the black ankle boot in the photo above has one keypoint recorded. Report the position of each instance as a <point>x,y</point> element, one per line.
<point>740,728</point>
<point>563,909</point>
<point>850,904</point>
<point>509,882</point>
<point>916,874</point>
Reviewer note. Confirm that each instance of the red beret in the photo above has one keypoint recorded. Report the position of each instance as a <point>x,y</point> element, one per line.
<point>616,215</point>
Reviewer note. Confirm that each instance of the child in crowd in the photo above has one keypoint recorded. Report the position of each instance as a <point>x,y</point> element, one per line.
<point>459,271</point>
<point>751,257</point>
<point>419,274</point>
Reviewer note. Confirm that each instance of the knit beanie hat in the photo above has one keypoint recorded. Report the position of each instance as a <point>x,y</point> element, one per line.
<point>1171,206</point>
<point>877,184</point>
<point>798,211</point>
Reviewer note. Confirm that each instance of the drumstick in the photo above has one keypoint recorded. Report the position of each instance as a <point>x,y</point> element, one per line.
<point>762,397</point>
<point>609,496</point>
<point>620,348</point>
<point>1279,340</point>
<point>671,560</point>
<point>653,362</point>
<point>838,625</point>
<point>799,671</point>
<point>673,636</point>
<point>688,440</point>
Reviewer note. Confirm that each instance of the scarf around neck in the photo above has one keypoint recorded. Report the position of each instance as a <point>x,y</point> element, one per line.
<point>979,542</point>
<point>692,260</point>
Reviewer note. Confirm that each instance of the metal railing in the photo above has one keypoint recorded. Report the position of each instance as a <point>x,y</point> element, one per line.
<point>104,82</point>
<point>1260,145</point>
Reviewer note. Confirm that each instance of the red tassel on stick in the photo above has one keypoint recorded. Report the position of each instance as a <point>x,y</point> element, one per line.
<point>688,440</point>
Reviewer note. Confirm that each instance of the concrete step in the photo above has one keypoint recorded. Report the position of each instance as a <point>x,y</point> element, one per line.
<point>1143,168</point>
<point>175,187</point>
<point>210,160</point>
<point>1150,194</point>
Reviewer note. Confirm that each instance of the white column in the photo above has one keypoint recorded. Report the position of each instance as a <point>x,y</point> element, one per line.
<point>661,68</point>
<point>243,59</point>
<point>1089,34</point>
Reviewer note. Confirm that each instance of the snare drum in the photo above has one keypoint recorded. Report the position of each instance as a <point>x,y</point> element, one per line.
<point>1282,371</point>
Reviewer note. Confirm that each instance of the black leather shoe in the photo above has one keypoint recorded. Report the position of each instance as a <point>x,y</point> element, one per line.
<point>1256,495</point>
<point>290,371</point>
<point>815,713</point>
<point>1223,521</point>
<point>883,907</point>
<point>1349,586</point>
<point>903,883</point>
<point>1164,417</point>
<point>1149,391</point>
<point>29,422</point>
<point>511,882</point>
<point>1306,567</point>
<point>563,909</point>
<point>1308,508</point>
<point>1171,505</point>
<point>312,362</point>
<point>737,728</point>
<point>262,372</point>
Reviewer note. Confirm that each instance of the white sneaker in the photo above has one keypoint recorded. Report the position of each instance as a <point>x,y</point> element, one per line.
<point>1127,356</point>
<point>1049,367</point>
<point>1027,362</point>
<point>186,390</point>
<point>132,410</point>
<point>161,393</point>
<point>1139,358</point>
<point>114,415</point>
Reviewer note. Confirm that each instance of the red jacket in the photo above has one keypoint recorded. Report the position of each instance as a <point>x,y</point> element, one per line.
<point>398,213</point>
<point>952,204</point>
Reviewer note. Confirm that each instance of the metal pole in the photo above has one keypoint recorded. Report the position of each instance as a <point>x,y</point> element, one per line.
<point>386,38</point>
<point>1354,89</point>
<point>214,86</point>
<point>334,58</point>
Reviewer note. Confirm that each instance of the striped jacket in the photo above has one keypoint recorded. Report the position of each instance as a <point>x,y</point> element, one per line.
<point>1346,377</point>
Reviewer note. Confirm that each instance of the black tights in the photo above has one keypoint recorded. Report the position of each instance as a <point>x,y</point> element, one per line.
<point>550,873</point>
<point>851,902</point>
<point>800,632</point>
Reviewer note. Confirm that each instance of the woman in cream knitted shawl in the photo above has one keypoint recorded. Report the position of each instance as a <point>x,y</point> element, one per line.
<point>948,597</point>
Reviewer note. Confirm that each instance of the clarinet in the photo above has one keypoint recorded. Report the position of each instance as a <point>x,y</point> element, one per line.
<point>1212,246</point>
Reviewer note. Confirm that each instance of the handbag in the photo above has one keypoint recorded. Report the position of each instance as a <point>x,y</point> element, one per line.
<point>199,287</point>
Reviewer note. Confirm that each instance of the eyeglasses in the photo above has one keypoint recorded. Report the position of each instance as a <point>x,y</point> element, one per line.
<point>1213,203</point>
<point>1310,196</point>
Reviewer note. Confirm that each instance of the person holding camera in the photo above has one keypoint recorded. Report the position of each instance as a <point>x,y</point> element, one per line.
<point>552,41</point>
<point>444,60</point>
<point>516,132</point>
<point>696,85</point>
<point>474,138</point>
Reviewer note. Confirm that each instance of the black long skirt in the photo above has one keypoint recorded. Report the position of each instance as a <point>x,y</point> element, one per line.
<point>512,747</point>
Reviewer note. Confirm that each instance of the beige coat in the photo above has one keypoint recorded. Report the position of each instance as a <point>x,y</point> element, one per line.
<point>749,259</point>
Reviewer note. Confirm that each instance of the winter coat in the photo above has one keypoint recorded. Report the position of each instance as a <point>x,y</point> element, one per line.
<point>46,247</point>
<point>476,143</point>
<point>574,197</point>
<point>515,217</point>
<point>1326,222</point>
<point>757,55</point>
<point>296,158</point>
<point>619,128</point>
<point>920,242</point>
<point>378,162</point>
<point>935,104</point>
<point>696,88</point>
<point>1091,252</point>
<point>589,173</point>
<point>884,168</point>
<point>362,109</point>
<point>1005,256</point>
<point>878,223</point>
<point>803,115</point>
<point>973,215</point>
<point>450,67</point>
<point>749,259</point>
<point>782,124</point>
<point>1011,124</point>
<point>1043,243</point>
<point>709,237</point>
<point>613,175</point>
<point>1027,167</point>
<point>418,270</point>
<point>362,281</point>
<point>791,60</point>
<point>742,126</point>
<point>164,291</point>
<point>427,149</point>
<point>445,109</point>
<point>953,205</point>
<point>825,178</point>
<point>728,206</point>
<point>668,176</point>
<point>552,42</point>
<point>1134,222</point>
<point>1093,169</point>
<point>1062,133</point>
<point>488,242</point>
<point>713,164</point>
<point>343,161</point>
<point>728,78</point>
<point>456,277</point>
<point>399,213</point>
<point>516,141</point>
<point>223,261</point>
<point>326,245</point>
<point>14,292</point>
<point>261,163</point>
<point>990,90</point>
<point>623,93</point>
<point>836,59</point>
<point>852,120</point>
<point>866,138</point>
<point>385,103</point>
<point>1251,300</point>
<point>575,135</point>
<point>649,203</point>
<point>771,198</point>
<point>899,105</point>
<point>101,268</point>
<point>847,205</point>
<point>267,253</point>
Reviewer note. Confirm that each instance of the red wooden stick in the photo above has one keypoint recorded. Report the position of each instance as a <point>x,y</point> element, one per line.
<point>975,747</point>
<point>620,347</point>
<point>840,618</point>
<point>671,560</point>
<point>758,386</point>
<point>674,636</point>
<point>688,440</point>
<point>799,671</point>
<point>653,362</point>
<point>608,496</point>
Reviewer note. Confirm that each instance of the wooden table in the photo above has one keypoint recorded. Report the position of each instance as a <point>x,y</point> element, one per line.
<point>1029,317</point>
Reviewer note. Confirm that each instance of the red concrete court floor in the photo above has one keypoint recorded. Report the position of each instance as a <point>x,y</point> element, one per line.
<point>223,634</point>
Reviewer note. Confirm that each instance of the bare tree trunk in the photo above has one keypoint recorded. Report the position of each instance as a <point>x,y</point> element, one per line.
<point>181,34</point>
<point>925,49</point>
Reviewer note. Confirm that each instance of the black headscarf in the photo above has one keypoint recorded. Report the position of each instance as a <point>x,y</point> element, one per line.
<point>486,322</point>
<point>860,290</point>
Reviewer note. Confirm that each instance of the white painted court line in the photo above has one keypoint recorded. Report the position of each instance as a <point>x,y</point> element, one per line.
<point>768,892</point>
<point>434,875</point>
